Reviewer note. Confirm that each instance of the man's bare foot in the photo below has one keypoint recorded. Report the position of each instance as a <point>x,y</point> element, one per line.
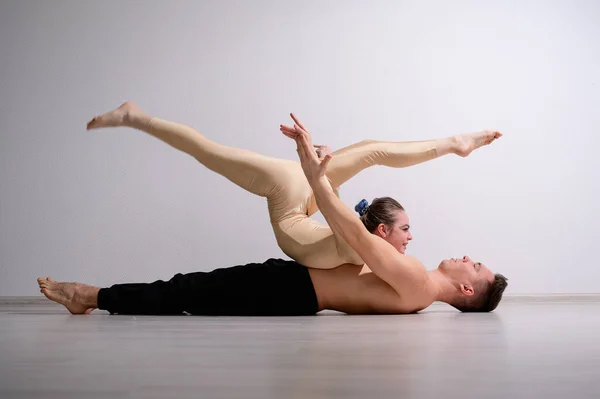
<point>128,114</point>
<point>70,295</point>
<point>468,142</point>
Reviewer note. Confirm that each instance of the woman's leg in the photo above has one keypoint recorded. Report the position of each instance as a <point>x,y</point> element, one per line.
<point>313,244</point>
<point>282,182</point>
<point>349,161</point>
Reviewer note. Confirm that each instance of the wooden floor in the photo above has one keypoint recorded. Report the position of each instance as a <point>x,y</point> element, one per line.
<point>526,349</point>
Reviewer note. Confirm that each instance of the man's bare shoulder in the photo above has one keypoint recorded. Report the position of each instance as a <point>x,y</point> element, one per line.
<point>414,275</point>
<point>415,305</point>
<point>417,292</point>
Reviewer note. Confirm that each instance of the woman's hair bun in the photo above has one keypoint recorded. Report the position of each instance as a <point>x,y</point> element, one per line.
<point>362,207</point>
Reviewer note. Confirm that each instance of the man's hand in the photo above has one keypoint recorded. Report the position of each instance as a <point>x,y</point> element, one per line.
<point>314,168</point>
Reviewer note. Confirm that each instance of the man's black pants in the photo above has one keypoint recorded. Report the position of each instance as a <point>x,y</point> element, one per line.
<point>276,287</point>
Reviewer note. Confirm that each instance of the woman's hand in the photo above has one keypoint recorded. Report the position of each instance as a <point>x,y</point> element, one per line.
<point>313,167</point>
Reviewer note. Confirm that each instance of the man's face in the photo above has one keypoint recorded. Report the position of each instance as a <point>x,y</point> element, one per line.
<point>465,271</point>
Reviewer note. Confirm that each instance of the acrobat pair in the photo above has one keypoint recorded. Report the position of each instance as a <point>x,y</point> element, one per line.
<point>290,198</point>
<point>328,270</point>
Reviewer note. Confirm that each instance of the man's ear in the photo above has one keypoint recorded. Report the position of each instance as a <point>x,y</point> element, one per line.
<point>467,289</point>
<point>381,230</point>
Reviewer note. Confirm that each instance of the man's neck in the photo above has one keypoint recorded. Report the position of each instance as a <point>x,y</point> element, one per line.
<point>444,289</point>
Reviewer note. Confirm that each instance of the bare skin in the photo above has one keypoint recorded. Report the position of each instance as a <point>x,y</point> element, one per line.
<point>355,290</point>
<point>128,114</point>
<point>469,142</point>
<point>77,298</point>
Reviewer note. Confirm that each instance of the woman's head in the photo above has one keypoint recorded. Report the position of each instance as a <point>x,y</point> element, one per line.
<point>386,218</point>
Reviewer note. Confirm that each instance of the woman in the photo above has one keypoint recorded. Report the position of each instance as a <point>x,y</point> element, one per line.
<point>289,196</point>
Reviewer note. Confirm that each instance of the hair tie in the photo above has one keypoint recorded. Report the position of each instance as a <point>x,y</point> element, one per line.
<point>362,207</point>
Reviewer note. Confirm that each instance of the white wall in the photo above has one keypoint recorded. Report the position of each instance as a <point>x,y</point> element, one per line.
<point>117,205</point>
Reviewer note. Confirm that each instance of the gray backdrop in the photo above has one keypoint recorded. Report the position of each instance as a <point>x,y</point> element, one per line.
<point>117,205</point>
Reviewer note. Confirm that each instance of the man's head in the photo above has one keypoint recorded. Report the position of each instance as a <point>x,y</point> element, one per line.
<point>477,288</point>
<point>386,218</point>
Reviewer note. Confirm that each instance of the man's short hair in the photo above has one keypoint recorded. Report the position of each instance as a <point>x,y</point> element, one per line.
<point>487,296</point>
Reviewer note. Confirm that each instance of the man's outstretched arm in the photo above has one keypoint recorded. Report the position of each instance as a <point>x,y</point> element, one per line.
<point>403,273</point>
<point>400,271</point>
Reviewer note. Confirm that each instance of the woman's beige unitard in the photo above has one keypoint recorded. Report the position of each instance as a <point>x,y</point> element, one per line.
<point>282,182</point>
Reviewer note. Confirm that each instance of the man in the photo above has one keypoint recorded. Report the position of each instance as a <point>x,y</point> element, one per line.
<point>393,283</point>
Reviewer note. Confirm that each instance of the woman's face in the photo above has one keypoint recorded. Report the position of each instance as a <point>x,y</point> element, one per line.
<point>398,234</point>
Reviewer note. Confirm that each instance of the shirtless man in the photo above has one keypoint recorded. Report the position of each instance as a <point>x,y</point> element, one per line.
<point>394,284</point>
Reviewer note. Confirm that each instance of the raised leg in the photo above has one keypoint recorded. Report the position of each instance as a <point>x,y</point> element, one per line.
<point>313,244</point>
<point>349,161</point>
<point>282,182</point>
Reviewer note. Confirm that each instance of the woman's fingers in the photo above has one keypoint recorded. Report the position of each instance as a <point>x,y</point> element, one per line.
<point>325,161</point>
<point>297,121</point>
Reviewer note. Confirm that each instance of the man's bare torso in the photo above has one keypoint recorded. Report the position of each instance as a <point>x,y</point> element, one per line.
<point>356,290</point>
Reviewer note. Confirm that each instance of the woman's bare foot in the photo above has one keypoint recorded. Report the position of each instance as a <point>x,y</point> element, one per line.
<point>468,142</point>
<point>77,298</point>
<point>128,114</point>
